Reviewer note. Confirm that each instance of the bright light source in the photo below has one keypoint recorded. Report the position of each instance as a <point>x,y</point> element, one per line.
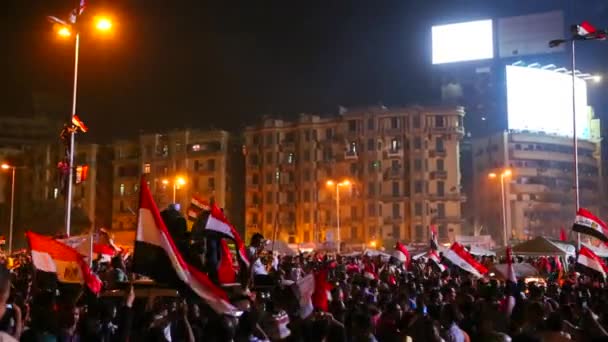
<point>597,78</point>
<point>180,181</point>
<point>345,182</point>
<point>330,183</point>
<point>541,101</point>
<point>506,173</point>
<point>373,244</point>
<point>460,42</point>
<point>64,31</point>
<point>491,175</point>
<point>5,166</point>
<point>103,24</point>
<point>165,181</point>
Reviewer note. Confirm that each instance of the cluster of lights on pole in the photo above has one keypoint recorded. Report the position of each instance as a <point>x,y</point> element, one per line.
<point>101,23</point>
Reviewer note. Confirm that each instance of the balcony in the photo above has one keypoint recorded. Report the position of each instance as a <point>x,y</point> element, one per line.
<point>438,153</point>
<point>447,197</point>
<point>393,220</point>
<point>439,175</point>
<point>448,219</point>
<point>447,130</point>
<point>394,153</point>
<point>351,155</point>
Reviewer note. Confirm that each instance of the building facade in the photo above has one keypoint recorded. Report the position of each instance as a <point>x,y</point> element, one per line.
<point>401,164</point>
<point>201,160</point>
<point>539,192</point>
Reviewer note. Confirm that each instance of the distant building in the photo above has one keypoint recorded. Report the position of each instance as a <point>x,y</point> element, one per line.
<point>402,163</point>
<point>203,159</point>
<point>539,193</point>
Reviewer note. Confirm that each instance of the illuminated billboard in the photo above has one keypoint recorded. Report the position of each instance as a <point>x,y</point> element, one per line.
<point>541,101</point>
<point>469,41</point>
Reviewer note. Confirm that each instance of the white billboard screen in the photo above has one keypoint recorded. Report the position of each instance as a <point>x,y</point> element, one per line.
<point>470,41</point>
<point>541,101</point>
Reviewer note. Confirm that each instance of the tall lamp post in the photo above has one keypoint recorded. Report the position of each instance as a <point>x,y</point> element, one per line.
<point>331,184</point>
<point>579,32</point>
<point>177,182</point>
<point>65,30</point>
<point>5,166</point>
<point>506,173</point>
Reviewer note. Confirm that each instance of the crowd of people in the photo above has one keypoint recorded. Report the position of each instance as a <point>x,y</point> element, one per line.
<point>356,298</point>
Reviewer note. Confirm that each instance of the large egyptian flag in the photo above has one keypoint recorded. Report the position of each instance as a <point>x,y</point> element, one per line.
<point>460,257</point>
<point>434,257</point>
<point>587,223</point>
<point>157,257</point>
<point>52,256</point>
<point>587,31</point>
<point>402,254</point>
<point>590,260</point>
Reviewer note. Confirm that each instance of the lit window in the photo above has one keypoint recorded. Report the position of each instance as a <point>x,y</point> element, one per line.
<point>147,168</point>
<point>290,158</point>
<point>135,188</point>
<point>55,193</point>
<point>196,147</point>
<point>353,147</point>
<point>122,189</point>
<point>277,175</point>
<point>394,145</point>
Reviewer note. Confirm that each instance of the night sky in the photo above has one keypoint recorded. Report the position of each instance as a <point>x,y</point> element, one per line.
<point>225,63</point>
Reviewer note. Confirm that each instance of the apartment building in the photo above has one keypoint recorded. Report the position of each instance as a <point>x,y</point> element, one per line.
<point>397,169</point>
<point>177,164</point>
<point>539,192</point>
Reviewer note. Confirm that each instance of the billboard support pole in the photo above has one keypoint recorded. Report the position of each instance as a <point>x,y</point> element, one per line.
<point>574,138</point>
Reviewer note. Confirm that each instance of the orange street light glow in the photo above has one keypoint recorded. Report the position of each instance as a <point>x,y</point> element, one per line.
<point>345,182</point>
<point>180,181</point>
<point>103,24</point>
<point>506,173</point>
<point>330,183</point>
<point>5,166</point>
<point>165,181</point>
<point>64,31</point>
<point>492,175</point>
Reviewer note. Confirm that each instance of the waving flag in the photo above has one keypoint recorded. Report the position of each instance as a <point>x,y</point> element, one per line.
<point>52,256</point>
<point>157,257</point>
<point>590,260</point>
<point>401,253</point>
<point>434,257</point>
<point>303,289</point>
<point>587,31</point>
<point>587,223</point>
<point>463,259</point>
<point>217,222</point>
<point>434,244</point>
<point>79,124</point>
<point>369,272</point>
<point>197,206</point>
<point>226,273</point>
<point>76,12</point>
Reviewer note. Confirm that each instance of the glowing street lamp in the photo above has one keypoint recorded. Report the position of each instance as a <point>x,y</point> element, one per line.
<point>505,173</point>
<point>330,183</point>
<point>64,30</point>
<point>7,167</point>
<point>177,182</point>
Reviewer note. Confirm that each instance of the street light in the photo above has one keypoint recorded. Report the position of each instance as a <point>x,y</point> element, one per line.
<point>330,183</point>
<point>177,182</point>
<point>6,166</point>
<point>505,173</point>
<point>592,34</point>
<point>102,24</point>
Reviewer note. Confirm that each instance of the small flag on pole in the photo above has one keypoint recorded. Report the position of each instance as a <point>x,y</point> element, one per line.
<point>79,124</point>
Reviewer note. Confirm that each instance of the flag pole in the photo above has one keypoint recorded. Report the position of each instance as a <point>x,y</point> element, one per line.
<point>574,138</point>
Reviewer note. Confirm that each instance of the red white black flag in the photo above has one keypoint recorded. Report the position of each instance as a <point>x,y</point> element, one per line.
<point>590,260</point>
<point>587,223</point>
<point>463,259</point>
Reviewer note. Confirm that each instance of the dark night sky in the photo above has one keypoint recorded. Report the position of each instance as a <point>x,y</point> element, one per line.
<point>225,63</point>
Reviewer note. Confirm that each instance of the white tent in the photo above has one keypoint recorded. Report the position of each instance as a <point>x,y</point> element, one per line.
<point>541,246</point>
<point>478,251</point>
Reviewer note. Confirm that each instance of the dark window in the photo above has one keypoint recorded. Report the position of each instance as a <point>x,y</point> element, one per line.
<point>306,195</point>
<point>306,216</point>
<point>371,188</point>
<point>416,121</point>
<point>439,121</point>
<point>329,133</point>
<point>417,143</point>
<point>269,217</point>
<point>197,165</point>
<point>395,122</point>
<point>255,179</point>
<point>370,144</point>
<point>371,209</point>
<point>417,165</point>
<point>440,188</point>
<point>396,189</point>
<point>418,209</point>
<point>269,139</point>
<point>255,139</point>
<point>418,187</point>
<point>440,164</point>
<point>419,233</point>
<point>211,165</point>
<point>268,178</point>
<point>353,169</point>
<point>370,124</point>
<point>268,158</point>
<point>211,183</point>
<point>441,210</point>
<point>396,210</point>
<point>307,175</point>
<point>253,159</point>
<point>352,125</point>
<point>307,135</point>
<point>269,197</point>
<point>307,155</point>
<point>290,197</point>
<point>439,144</point>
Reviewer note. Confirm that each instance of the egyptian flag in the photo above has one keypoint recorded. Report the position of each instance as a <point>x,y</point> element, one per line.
<point>197,206</point>
<point>401,253</point>
<point>76,12</point>
<point>510,270</point>
<point>52,256</point>
<point>460,257</point>
<point>303,289</point>
<point>105,252</point>
<point>369,272</point>
<point>157,257</point>
<point>591,261</point>
<point>587,223</point>
<point>587,31</point>
<point>434,244</point>
<point>434,257</point>
<point>225,271</point>
<point>218,223</point>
